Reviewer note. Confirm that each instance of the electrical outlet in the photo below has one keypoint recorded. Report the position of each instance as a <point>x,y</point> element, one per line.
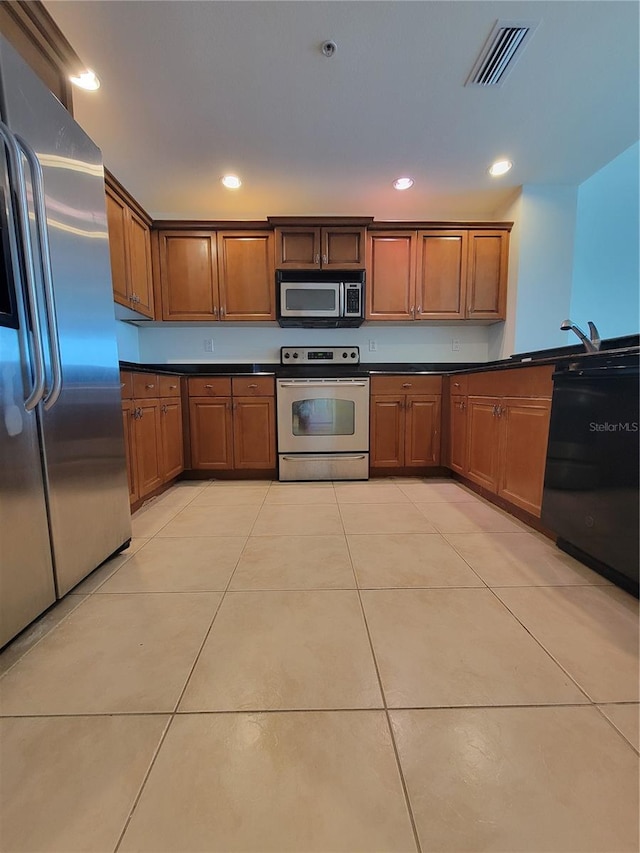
<point>373,346</point>
<point>455,345</point>
<point>208,344</point>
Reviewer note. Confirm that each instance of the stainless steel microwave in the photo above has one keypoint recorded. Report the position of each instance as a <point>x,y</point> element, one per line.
<point>320,298</point>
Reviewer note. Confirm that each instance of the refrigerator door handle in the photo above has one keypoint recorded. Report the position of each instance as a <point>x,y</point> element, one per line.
<point>47,274</point>
<point>17,184</point>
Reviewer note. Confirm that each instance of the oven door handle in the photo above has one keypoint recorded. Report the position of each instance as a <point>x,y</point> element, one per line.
<point>323,457</point>
<point>340,383</point>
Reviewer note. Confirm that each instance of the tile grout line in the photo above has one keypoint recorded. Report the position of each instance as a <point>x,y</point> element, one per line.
<point>613,725</point>
<point>396,753</point>
<point>542,646</point>
<point>174,713</point>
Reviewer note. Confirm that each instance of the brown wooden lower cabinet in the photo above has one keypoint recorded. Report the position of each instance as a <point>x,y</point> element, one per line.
<point>498,424</point>
<point>523,450</point>
<point>211,433</point>
<point>483,439</point>
<point>172,443</point>
<point>234,427</point>
<point>254,439</point>
<point>152,430</point>
<point>458,433</point>
<point>405,424</point>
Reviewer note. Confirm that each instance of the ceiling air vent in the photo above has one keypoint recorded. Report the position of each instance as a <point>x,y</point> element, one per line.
<point>503,47</point>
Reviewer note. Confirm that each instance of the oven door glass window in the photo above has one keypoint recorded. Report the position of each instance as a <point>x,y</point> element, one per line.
<point>323,417</point>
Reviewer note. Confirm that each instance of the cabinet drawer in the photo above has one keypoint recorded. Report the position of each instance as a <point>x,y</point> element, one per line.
<point>169,386</point>
<point>145,385</point>
<point>126,384</point>
<point>253,386</point>
<point>517,382</point>
<point>406,384</point>
<point>458,384</point>
<point>209,386</point>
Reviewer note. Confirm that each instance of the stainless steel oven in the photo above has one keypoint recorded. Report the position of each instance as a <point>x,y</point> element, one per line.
<point>323,420</point>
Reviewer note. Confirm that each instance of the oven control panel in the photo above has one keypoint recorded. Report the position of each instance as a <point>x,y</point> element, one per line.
<point>319,355</point>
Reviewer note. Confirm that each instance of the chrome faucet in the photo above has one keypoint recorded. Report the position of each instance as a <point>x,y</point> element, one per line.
<point>591,343</point>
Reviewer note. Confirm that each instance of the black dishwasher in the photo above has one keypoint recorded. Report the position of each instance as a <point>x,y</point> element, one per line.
<point>590,497</point>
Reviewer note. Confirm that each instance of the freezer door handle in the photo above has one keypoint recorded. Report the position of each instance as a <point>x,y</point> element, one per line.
<point>18,185</point>
<point>37,182</point>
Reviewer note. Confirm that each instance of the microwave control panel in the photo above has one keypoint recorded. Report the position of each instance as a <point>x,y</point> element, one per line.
<point>319,355</point>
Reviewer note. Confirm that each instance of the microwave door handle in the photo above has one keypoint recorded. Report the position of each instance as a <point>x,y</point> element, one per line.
<point>23,234</point>
<point>37,182</point>
<point>341,307</point>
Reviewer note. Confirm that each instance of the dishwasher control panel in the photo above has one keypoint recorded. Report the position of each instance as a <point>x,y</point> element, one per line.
<point>319,355</point>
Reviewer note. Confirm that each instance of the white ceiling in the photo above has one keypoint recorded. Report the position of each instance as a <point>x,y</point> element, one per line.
<point>193,90</point>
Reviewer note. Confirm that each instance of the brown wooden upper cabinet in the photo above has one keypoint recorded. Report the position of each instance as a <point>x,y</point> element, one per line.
<point>437,274</point>
<point>130,250</point>
<point>216,275</point>
<point>328,247</point>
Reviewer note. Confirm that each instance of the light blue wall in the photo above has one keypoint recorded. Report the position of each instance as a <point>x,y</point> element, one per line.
<point>544,266</point>
<point>605,272</point>
<point>128,345</point>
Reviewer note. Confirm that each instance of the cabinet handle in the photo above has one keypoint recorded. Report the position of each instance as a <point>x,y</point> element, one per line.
<point>316,259</point>
<point>412,311</point>
<point>409,404</point>
<point>208,386</point>
<point>172,387</point>
<point>215,312</point>
<point>456,384</point>
<point>222,312</point>
<point>406,385</point>
<point>150,386</point>
<point>253,385</point>
<point>419,311</point>
<point>324,259</point>
<point>122,384</point>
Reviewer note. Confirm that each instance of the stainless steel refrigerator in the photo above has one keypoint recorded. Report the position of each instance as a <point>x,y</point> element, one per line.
<point>64,505</point>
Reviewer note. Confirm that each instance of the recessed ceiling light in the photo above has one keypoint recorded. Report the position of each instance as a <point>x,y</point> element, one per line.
<point>500,167</point>
<point>231,182</point>
<point>402,183</point>
<point>86,80</point>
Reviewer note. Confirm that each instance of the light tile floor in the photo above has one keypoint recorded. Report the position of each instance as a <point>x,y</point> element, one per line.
<point>384,666</point>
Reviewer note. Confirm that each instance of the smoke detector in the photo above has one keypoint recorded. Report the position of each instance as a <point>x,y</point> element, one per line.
<point>329,47</point>
<point>502,49</point>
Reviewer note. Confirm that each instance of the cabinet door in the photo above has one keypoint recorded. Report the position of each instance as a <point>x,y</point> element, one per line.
<point>188,275</point>
<point>441,275</point>
<point>117,220</point>
<point>387,431</point>
<point>488,256</point>
<point>246,275</point>
<point>458,434</point>
<point>422,442</point>
<point>391,276</point>
<point>298,248</point>
<point>148,446</point>
<point>254,433</point>
<point>141,281</point>
<point>172,444</point>
<point>211,429</point>
<point>128,414</point>
<point>482,442</point>
<point>343,248</point>
<point>524,425</point>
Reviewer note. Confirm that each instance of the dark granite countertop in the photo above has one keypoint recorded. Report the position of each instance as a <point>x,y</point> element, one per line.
<point>612,352</point>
